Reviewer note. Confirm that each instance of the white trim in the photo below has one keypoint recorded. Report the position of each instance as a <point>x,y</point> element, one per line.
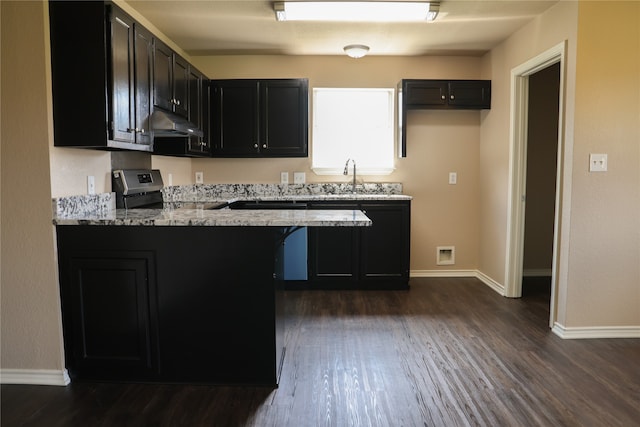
<point>35,376</point>
<point>537,272</point>
<point>496,286</point>
<point>460,273</point>
<point>360,171</point>
<point>443,273</point>
<point>517,172</point>
<point>595,332</point>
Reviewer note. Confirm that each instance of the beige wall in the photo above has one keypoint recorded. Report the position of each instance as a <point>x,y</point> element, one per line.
<point>31,332</point>
<point>603,286</point>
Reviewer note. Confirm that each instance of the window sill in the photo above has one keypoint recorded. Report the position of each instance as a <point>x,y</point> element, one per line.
<point>359,171</point>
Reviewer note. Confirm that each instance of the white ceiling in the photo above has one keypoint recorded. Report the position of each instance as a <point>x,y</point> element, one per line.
<point>209,27</point>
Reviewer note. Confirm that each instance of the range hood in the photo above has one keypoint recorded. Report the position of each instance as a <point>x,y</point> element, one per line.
<point>165,123</point>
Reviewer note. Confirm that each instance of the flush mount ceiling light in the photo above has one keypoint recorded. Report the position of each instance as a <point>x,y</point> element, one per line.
<point>356,50</point>
<point>378,11</point>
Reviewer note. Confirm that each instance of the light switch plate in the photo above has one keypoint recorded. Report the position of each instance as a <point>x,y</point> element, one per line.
<point>597,163</point>
<point>91,184</point>
<point>299,177</point>
<point>284,177</point>
<point>453,178</point>
<point>199,178</point>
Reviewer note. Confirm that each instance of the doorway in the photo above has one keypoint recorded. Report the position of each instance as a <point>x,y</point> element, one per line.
<point>518,175</point>
<point>540,182</point>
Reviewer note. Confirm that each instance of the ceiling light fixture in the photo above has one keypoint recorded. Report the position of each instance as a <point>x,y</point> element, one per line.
<point>378,11</point>
<point>356,50</point>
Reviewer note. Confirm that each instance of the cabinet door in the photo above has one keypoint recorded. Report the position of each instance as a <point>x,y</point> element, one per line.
<point>122,77</point>
<point>143,84</point>
<point>470,94</point>
<point>162,76</point>
<point>333,251</point>
<point>197,144</point>
<point>181,79</point>
<point>425,93</point>
<point>109,326</point>
<point>284,118</point>
<point>234,118</point>
<point>385,244</point>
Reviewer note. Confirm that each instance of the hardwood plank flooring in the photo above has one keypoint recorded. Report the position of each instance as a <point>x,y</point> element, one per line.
<point>448,352</point>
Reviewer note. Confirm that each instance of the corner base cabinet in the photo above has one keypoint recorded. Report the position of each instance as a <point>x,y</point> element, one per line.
<point>172,304</point>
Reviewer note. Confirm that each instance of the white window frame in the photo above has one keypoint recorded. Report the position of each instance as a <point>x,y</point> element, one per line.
<point>362,167</point>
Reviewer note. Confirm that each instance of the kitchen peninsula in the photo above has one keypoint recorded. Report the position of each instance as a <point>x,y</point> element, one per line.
<point>175,294</point>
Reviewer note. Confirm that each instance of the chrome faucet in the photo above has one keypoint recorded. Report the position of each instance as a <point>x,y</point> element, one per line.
<point>346,172</point>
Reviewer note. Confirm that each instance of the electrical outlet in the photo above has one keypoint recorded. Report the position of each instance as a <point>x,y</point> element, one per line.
<point>170,180</point>
<point>597,163</point>
<point>91,184</point>
<point>453,178</point>
<point>284,177</point>
<point>199,177</point>
<point>299,177</point>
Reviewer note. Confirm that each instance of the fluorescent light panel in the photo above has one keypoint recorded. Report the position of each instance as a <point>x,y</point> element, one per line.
<point>352,11</point>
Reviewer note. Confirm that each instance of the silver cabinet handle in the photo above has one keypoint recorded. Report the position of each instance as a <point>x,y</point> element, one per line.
<point>452,97</point>
<point>255,145</point>
<point>264,145</point>
<point>443,97</point>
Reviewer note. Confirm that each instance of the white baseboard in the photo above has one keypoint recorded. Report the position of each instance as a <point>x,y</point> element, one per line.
<point>536,272</point>
<point>460,273</point>
<point>35,376</point>
<point>443,273</point>
<point>590,332</point>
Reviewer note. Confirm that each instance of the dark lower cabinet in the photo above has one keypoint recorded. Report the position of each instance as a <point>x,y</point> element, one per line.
<point>375,257</point>
<point>333,252</point>
<point>385,245</point>
<point>172,304</point>
<point>110,322</point>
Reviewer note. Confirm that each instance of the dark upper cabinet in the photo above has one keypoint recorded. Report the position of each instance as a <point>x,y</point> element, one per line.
<point>163,76</point>
<point>100,66</point>
<point>446,94</point>
<point>424,93</point>
<point>143,106</point>
<point>259,118</point>
<point>198,95</point>
<point>441,95</point>
<point>170,80</point>
<point>198,113</point>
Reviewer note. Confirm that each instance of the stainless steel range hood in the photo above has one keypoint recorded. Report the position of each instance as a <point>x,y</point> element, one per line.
<point>164,123</point>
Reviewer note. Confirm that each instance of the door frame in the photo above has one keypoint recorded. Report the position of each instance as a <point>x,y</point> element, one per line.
<point>518,171</point>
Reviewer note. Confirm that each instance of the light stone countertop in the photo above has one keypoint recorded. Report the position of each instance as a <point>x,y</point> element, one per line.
<point>100,209</point>
<point>220,218</point>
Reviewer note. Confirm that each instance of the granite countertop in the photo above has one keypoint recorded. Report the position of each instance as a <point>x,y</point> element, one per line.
<point>184,206</point>
<point>220,218</point>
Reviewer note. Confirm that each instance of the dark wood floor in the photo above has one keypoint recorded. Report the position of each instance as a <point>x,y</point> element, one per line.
<point>449,352</point>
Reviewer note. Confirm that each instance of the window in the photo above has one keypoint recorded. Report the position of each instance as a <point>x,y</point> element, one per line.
<point>353,124</point>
